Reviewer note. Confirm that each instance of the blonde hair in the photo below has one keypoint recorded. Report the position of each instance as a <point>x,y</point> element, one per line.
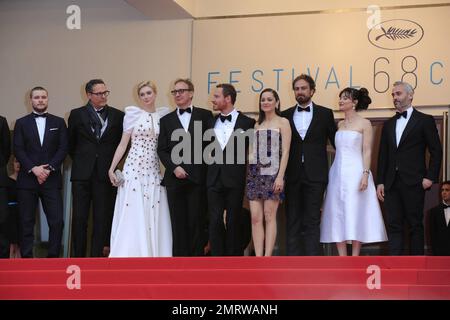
<point>146,83</point>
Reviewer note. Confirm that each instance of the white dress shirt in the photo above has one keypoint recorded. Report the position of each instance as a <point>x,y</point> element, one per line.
<point>40,123</point>
<point>223,130</point>
<point>401,125</point>
<point>185,118</point>
<point>302,119</point>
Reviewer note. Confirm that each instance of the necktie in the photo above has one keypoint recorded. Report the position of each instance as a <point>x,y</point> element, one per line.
<point>223,118</point>
<point>188,110</point>
<point>403,114</point>
<point>300,109</point>
<point>101,113</point>
<point>37,115</point>
<point>445,205</point>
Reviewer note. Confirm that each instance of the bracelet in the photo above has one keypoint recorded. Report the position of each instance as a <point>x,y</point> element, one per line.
<point>366,171</point>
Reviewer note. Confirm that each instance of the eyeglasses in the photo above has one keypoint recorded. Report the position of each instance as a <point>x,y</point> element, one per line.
<point>180,91</point>
<point>100,94</point>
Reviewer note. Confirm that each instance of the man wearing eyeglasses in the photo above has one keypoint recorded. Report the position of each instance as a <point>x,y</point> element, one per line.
<point>95,131</point>
<point>185,181</point>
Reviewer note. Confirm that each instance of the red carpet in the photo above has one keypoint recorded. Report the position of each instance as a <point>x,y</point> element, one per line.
<point>228,278</point>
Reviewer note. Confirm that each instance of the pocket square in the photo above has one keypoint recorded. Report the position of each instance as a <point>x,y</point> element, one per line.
<point>53,129</point>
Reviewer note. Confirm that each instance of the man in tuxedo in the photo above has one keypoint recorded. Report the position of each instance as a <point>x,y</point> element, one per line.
<point>5,152</point>
<point>226,179</point>
<point>402,173</point>
<point>185,179</point>
<point>95,131</point>
<point>440,223</point>
<point>307,170</point>
<point>40,146</point>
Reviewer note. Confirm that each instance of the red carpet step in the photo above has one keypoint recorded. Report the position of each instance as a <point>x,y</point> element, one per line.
<point>227,278</point>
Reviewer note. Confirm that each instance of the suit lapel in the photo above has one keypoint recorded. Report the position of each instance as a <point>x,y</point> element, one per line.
<point>110,120</point>
<point>175,120</point>
<point>86,121</point>
<point>315,116</point>
<point>32,123</point>
<point>291,120</point>
<point>212,125</point>
<point>194,116</point>
<point>238,122</point>
<point>409,126</point>
<point>48,125</point>
<point>391,126</point>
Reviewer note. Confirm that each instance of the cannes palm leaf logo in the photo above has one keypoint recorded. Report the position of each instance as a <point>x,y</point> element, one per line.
<point>397,33</point>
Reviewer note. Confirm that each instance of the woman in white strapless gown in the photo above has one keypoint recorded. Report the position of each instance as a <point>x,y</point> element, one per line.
<point>141,224</point>
<point>351,211</point>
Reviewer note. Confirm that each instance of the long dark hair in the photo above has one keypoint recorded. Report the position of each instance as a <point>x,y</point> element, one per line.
<point>262,115</point>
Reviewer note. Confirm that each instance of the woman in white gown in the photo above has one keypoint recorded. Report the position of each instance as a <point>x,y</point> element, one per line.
<point>351,210</point>
<point>141,224</point>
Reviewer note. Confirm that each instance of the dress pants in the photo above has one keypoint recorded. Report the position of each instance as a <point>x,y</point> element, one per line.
<point>53,208</point>
<point>103,197</point>
<point>226,239</point>
<point>405,203</point>
<point>187,206</point>
<point>303,213</point>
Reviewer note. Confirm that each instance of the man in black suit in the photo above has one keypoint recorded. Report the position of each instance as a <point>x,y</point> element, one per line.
<point>440,223</point>
<point>40,146</point>
<point>5,152</point>
<point>227,173</point>
<point>307,170</point>
<point>402,173</point>
<point>185,173</point>
<point>95,131</point>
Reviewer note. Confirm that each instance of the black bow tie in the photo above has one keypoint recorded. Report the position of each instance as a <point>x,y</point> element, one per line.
<point>37,115</point>
<point>223,118</point>
<point>188,110</point>
<point>100,111</point>
<point>300,109</point>
<point>403,114</point>
<point>445,205</point>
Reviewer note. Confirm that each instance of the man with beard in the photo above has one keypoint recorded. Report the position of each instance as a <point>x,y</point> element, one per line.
<point>226,179</point>
<point>40,146</point>
<point>403,175</point>
<point>307,170</point>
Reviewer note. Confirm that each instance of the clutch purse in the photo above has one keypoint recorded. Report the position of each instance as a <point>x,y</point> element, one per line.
<point>120,177</point>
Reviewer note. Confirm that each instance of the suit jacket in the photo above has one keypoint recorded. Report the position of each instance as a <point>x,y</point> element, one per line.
<point>313,147</point>
<point>84,149</point>
<point>439,232</point>
<point>195,166</point>
<point>30,153</point>
<point>231,175</point>
<point>5,151</point>
<point>408,159</point>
